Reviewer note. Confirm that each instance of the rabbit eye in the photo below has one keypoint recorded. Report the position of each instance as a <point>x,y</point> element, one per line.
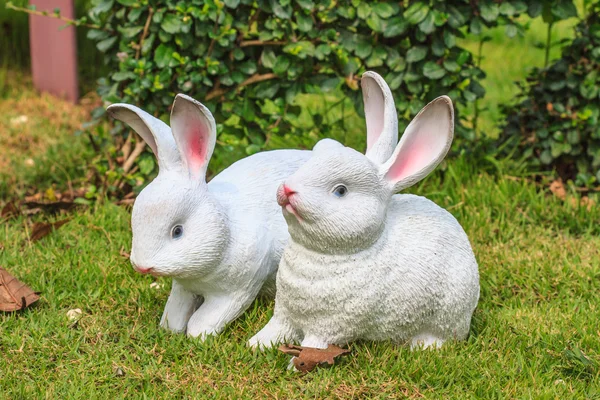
<point>340,191</point>
<point>177,232</point>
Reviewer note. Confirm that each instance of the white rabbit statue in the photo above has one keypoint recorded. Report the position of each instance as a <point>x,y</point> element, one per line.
<point>364,262</point>
<point>220,242</point>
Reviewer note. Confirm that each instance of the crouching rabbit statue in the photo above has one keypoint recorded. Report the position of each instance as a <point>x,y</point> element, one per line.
<point>362,261</point>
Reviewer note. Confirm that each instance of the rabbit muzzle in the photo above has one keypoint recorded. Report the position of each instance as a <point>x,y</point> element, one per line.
<point>145,270</point>
<point>284,199</point>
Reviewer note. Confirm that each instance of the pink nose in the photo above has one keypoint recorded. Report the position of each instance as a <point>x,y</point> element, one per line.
<point>141,270</point>
<point>287,191</point>
<point>283,195</point>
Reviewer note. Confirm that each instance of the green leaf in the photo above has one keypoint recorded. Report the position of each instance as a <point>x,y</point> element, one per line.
<point>231,3</point>
<point>427,26</point>
<point>129,32</point>
<point>163,55</point>
<point>268,58</point>
<point>563,9</point>
<point>384,10</point>
<point>489,11</point>
<point>281,11</point>
<point>305,22</point>
<point>449,39</point>
<point>171,24</point>
<point>375,23</point>
<point>506,8</point>
<point>416,54</point>
<point>106,44</point>
<point>395,27</point>
<point>306,4</point>
<point>300,49</point>
<point>456,17</point>
<point>377,57</point>
<point>463,57</point>
<point>122,75</point>
<point>363,10</point>
<point>535,8</point>
<point>476,26</point>
<point>511,30</point>
<point>247,67</point>
<point>451,66</point>
<point>281,65</point>
<point>416,12</point>
<point>363,48</point>
<point>433,71</point>
<point>102,6</point>
<point>97,35</point>
<point>146,164</point>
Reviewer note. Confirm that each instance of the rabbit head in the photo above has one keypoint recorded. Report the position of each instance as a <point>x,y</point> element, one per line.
<point>179,229</point>
<point>337,201</point>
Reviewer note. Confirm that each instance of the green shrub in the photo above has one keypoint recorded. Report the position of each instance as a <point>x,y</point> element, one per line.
<point>249,60</point>
<point>555,125</point>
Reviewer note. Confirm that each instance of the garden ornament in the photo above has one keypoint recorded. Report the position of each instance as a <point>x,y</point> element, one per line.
<point>220,241</point>
<point>362,261</point>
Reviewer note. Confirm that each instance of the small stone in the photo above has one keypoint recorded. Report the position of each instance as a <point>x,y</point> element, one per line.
<point>156,285</point>
<point>74,314</point>
<point>29,162</point>
<point>20,120</point>
<point>119,372</point>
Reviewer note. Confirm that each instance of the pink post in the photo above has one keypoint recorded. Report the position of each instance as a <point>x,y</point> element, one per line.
<point>54,51</point>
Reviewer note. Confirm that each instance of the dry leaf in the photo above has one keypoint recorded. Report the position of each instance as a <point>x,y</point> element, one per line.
<point>43,229</point>
<point>51,207</point>
<point>308,358</point>
<point>558,189</point>
<point>9,210</point>
<point>14,295</point>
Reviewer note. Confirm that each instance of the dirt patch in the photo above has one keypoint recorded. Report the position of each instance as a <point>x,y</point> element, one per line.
<point>30,122</point>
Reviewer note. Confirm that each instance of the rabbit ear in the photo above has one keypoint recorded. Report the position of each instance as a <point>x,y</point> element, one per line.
<point>155,133</point>
<point>382,120</point>
<point>195,133</point>
<point>423,146</point>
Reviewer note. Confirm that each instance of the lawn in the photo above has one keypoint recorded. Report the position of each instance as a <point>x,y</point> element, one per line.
<point>534,334</point>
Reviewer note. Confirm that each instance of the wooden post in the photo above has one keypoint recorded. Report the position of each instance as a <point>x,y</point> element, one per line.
<point>54,51</point>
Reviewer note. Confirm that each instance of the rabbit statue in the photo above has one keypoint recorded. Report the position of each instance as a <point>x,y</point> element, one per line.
<point>366,263</point>
<point>220,241</point>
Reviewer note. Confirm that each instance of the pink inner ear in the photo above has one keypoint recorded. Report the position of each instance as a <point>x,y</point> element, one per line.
<point>196,149</point>
<point>414,156</point>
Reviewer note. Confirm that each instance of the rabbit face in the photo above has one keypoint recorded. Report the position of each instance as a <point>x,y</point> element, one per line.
<point>334,202</point>
<point>178,229</point>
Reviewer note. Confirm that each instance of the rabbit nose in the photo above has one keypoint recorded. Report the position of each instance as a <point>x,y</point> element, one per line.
<point>283,195</point>
<point>141,270</point>
<point>288,192</point>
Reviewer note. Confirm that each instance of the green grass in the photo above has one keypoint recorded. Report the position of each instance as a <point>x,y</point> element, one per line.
<point>534,334</point>
<point>540,276</point>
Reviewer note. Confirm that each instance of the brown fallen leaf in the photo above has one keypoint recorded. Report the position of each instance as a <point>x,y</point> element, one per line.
<point>9,210</point>
<point>43,229</point>
<point>51,207</point>
<point>558,189</point>
<point>14,295</point>
<point>308,358</point>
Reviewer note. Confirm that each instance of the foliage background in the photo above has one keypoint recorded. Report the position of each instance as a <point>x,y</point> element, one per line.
<point>555,122</point>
